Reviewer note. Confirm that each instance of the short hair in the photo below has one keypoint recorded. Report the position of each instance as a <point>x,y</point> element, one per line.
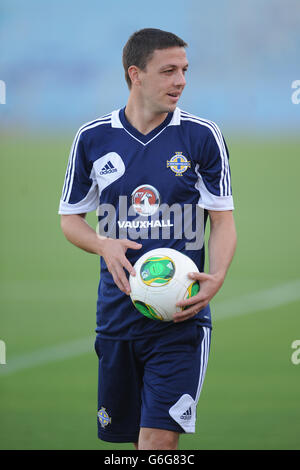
<point>141,45</point>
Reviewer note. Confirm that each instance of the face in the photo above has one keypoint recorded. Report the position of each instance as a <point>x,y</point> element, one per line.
<point>162,82</point>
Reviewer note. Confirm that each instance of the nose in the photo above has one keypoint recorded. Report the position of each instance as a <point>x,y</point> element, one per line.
<point>180,79</point>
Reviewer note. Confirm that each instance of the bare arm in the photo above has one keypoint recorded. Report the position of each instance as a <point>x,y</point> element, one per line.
<point>81,234</point>
<point>221,247</point>
<point>222,243</point>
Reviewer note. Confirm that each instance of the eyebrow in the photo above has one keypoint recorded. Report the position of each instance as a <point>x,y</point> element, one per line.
<point>173,66</point>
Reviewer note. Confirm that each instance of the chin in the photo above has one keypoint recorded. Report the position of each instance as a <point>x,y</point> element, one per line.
<point>168,108</point>
<point>163,108</point>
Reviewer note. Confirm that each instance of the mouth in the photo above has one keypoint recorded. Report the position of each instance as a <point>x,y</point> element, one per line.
<point>174,96</point>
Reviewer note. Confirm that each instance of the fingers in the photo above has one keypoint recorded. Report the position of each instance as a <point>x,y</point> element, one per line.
<point>191,309</point>
<point>114,254</point>
<point>185,303</point>
<point>130,244</point>
<point>125,263</point>
<point>128,266</point>
<point>179,317</point>
<point>119,276</point>
<point>199,301</point>
<point>200,276</point>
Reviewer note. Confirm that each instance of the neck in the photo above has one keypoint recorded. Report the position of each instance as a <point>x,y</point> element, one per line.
<point>141,117</point>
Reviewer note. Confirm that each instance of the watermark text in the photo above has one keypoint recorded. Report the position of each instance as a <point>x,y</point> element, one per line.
<point>295,357</point>
<point>2,92</point>
<point>296,94</point>
<point>2,352</point>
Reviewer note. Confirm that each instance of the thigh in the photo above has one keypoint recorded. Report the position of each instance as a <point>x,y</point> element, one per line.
<point>173,379</point>
<point>119,391</point>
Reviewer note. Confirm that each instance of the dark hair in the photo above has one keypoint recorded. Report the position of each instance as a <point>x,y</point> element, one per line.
<point>141,45</point>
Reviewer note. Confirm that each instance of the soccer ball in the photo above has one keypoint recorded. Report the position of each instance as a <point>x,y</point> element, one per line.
<point>162,280</point>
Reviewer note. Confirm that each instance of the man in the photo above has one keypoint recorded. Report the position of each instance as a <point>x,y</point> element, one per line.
<point>150,160</point>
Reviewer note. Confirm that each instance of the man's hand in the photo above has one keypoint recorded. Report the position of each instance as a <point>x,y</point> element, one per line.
<point>113,251</point>
<point>209,286</point>
<point>78,231</point>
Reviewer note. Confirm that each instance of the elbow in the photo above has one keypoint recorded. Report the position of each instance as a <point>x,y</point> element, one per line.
<point>68,221</point>
<point>63,223</point>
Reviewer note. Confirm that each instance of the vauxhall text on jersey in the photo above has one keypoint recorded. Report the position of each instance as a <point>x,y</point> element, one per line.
<point>155,189</point>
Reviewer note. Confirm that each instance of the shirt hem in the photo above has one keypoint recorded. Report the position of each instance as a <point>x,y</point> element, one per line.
<point>141,335</point>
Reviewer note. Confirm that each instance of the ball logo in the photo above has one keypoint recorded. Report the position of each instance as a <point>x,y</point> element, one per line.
<point>145,200</point>
<point>157,271</point>
<point>178,164</point>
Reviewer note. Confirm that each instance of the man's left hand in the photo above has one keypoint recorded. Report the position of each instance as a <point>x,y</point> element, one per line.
<point>209,286</point>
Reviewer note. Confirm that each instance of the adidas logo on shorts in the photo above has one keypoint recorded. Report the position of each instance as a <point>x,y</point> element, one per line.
<point>108,168</point>
<point>187,415</point>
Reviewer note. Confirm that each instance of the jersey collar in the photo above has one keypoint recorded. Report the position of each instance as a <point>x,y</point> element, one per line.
<point>145,139</point>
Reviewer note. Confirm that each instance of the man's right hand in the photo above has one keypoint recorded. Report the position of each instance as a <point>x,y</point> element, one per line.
<point>81,234</point>
<point>113,251</point>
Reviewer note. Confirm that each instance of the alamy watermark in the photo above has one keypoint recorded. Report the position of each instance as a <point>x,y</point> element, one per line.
<point>162,222</point>
<point>296,94</point>
<point>2,352</point>
<point>2,92</point>
<point>295,357</point>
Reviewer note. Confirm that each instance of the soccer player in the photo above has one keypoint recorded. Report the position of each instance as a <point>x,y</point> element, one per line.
<point>150,161</point>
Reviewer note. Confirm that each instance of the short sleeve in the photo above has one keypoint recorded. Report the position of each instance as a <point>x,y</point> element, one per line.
<point>80,191</point>
<point>213,170</point>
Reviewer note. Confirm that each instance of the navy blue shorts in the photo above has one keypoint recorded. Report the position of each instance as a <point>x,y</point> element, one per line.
<point>153,382</point>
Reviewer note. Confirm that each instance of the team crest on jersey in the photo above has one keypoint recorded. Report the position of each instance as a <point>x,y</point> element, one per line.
<point>104,418</point>
<point>178,164</point>
<point>145,200</point>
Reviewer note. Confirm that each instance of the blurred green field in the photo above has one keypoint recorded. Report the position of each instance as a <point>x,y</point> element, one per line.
<point>48,388</point>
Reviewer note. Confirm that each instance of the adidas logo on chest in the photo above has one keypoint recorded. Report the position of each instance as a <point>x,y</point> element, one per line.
<point>107,169</point>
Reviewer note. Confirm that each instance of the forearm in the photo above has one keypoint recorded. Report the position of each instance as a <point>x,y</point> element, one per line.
<point>221,244</point>
<point>81,234</point>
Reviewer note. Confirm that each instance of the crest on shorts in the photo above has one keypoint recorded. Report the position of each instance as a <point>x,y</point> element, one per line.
<point>103,416</point>
<point>178,163</point>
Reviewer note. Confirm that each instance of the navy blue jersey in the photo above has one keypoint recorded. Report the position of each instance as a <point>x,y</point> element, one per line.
<point>155,189</point>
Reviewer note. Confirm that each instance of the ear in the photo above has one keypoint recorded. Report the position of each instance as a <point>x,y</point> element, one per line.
<point>134,75</point>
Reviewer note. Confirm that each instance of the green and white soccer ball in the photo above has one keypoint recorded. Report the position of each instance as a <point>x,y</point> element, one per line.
<point>162,280</point>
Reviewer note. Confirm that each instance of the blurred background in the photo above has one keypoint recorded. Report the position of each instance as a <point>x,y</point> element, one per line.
<point>61,66</point>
